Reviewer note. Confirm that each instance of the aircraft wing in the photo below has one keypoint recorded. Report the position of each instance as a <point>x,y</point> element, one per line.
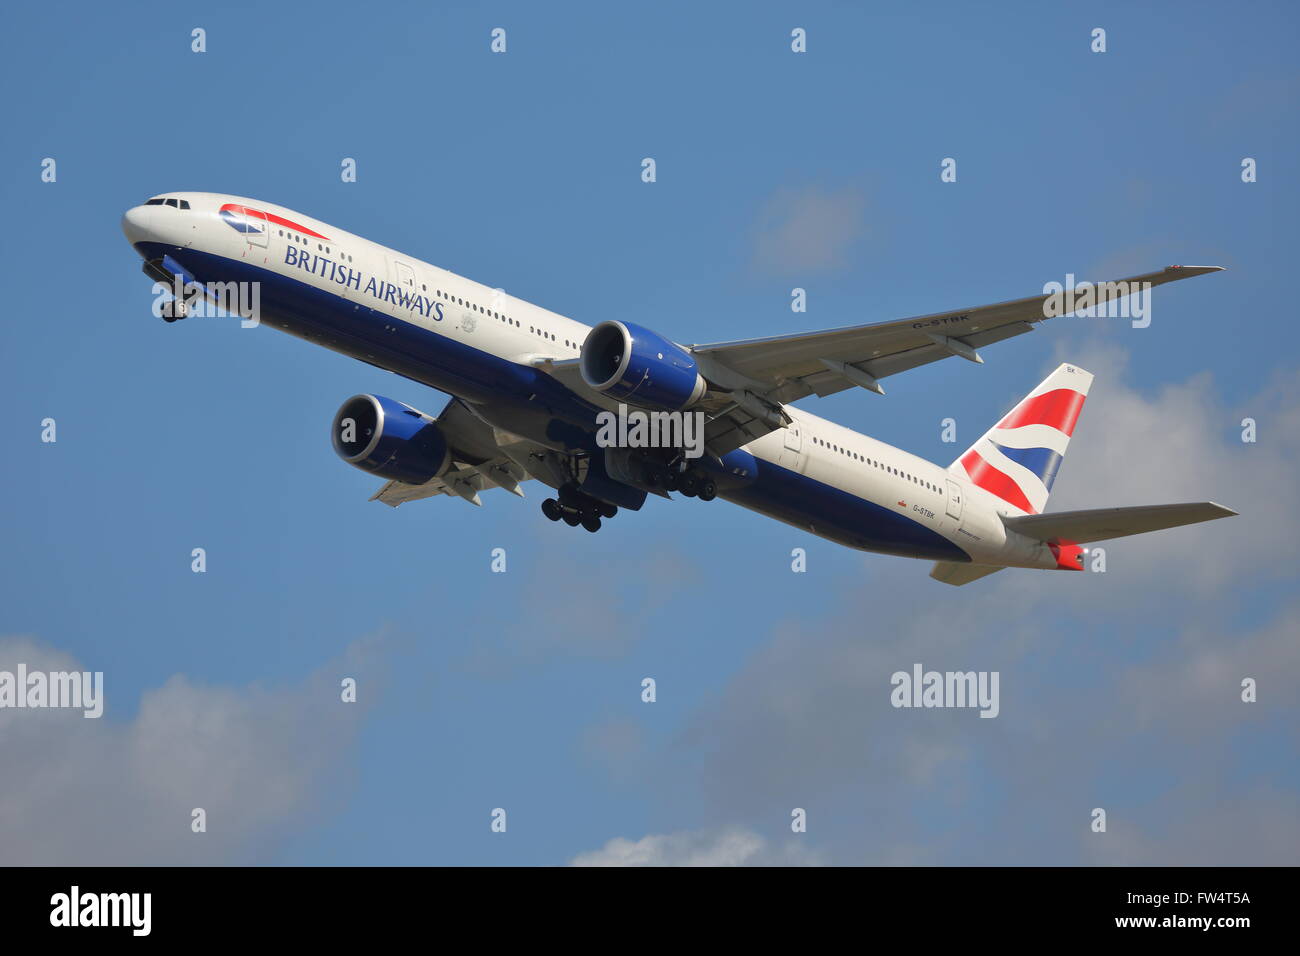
<point>788,367</point>
<point>749,380</point>
<point>733,419</point>
<point>463,481</point>
<point>482,458</point>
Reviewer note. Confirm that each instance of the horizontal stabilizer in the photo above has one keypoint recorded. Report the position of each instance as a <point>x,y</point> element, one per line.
<point>1101,524</point>
<point>957,574</point>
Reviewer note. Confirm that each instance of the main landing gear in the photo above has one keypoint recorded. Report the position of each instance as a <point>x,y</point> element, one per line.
<point>575,508</point>
<point>692,484</point>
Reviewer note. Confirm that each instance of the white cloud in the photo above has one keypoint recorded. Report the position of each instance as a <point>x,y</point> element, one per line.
<point>261,762</point>
<point>808,230</point>
<point>731,846</point>
<point>1181,443</point>
<point>1119,690</point>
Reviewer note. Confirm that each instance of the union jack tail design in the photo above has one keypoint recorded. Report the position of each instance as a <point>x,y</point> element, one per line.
<point>1017,459</point>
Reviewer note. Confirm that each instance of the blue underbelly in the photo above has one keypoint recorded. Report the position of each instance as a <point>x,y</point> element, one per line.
<point>833,513</point>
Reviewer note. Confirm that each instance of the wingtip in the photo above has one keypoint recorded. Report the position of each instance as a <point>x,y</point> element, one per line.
<point>1224,512</point>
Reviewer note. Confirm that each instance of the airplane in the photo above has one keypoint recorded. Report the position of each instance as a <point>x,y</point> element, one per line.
<point>528,389</point>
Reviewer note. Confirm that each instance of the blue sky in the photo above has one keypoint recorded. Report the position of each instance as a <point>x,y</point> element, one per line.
<point>522,690</point>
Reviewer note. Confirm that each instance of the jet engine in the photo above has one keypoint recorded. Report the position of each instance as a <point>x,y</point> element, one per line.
<point>390,439</point>
<point>629,363</point>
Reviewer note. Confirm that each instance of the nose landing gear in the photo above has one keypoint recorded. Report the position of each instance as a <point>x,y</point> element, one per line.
<point>173,309</point>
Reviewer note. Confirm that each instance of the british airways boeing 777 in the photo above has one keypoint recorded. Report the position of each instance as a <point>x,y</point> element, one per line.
<point>529,389</point>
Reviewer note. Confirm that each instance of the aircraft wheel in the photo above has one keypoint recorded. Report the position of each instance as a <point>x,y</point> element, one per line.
<point>607,510</point>
<point>689,485</point>
<point>708,490</point>
<point>551,508</point>
<point>591,523</point>
<point>571,518</point>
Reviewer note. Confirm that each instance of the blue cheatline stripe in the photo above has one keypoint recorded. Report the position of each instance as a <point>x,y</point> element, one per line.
<point>1043,462</point>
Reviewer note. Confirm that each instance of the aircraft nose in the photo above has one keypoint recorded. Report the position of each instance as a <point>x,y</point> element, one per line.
<point>136,222</point>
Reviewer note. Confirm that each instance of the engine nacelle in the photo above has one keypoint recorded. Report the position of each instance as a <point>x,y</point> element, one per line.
<point>389,439</point>
<point>633,364</point>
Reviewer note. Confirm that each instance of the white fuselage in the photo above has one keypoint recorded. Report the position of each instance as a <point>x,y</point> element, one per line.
<point>366,275</point>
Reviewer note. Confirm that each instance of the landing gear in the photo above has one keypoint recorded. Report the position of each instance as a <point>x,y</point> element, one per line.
<point>173,309</point>
<point>575,508</point>
<point>694,485</point>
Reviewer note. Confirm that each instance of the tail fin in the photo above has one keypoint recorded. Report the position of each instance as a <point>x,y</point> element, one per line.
<point>1017,459</point>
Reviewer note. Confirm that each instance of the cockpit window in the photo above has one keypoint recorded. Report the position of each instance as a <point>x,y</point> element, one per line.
<point>173,203</point>
<point>155,202</point>
<point>185,204</point>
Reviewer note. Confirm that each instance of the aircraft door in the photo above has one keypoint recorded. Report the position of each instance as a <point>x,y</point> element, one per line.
<point>792,450</point>
<point>404,277</point>
<point>258,228</point>
<point>954,500</point>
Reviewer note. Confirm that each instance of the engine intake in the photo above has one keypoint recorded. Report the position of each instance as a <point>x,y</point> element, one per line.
<point>631,363</point>
<point>386,438</point>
